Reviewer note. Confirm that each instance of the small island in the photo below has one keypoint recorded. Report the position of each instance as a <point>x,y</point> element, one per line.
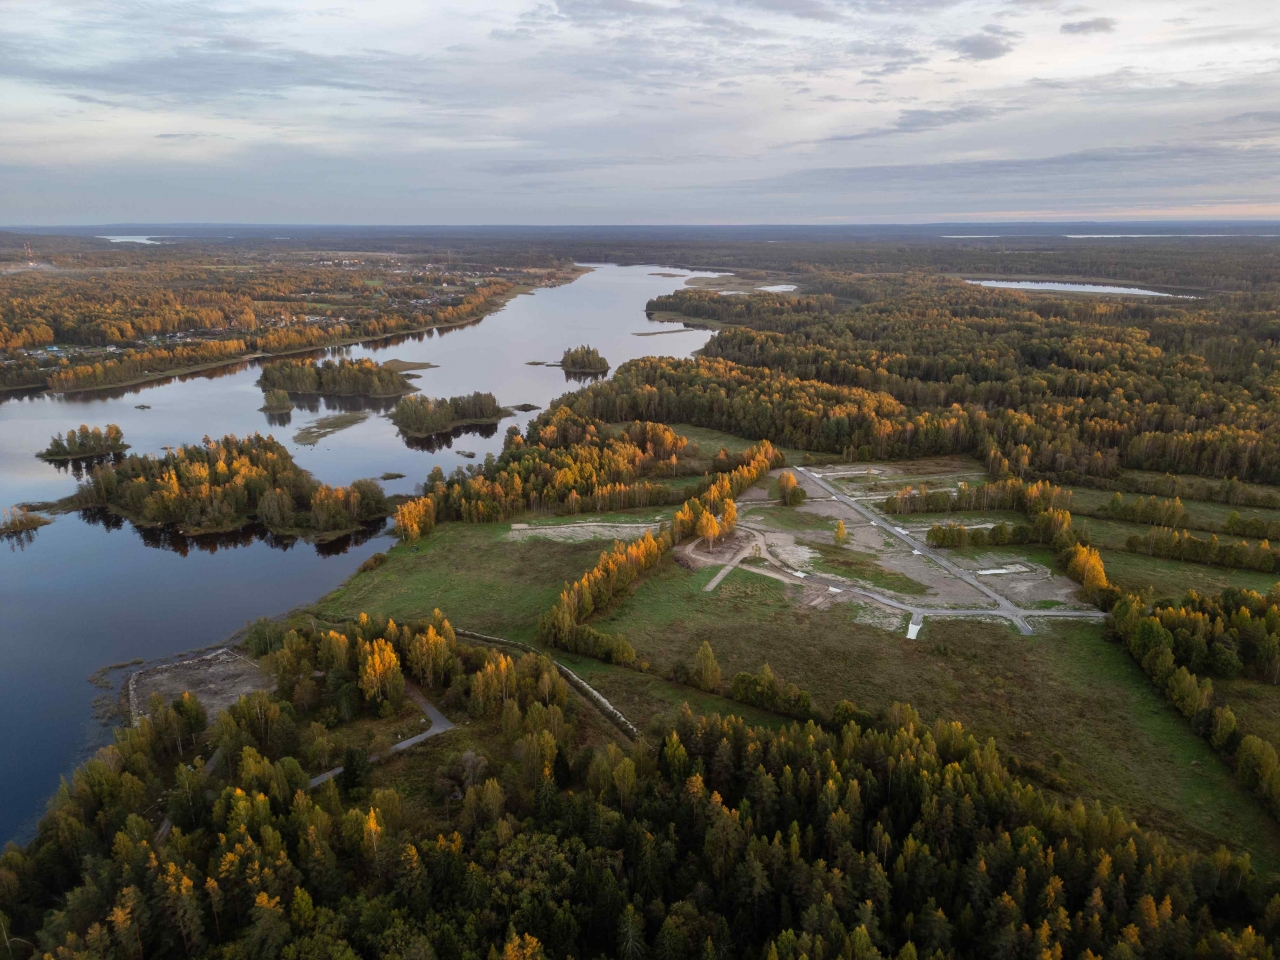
<point>427,416</point>
<point>583,359</point>
<point>222,485</point>
<point>85,443</point>
<point>345,378</point>
<point>20,520</point>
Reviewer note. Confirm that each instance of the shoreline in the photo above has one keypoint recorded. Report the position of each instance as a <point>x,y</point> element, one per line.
<point>506,412</point>
<point>494,305</point>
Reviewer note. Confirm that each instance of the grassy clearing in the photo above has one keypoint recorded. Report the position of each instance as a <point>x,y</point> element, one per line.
<point>1065,699</point>
<point>710,441</point>
<point>969,518</point>
<point>1255,704</point>
<point>1137,572</point>
<point>479,578</point>
<point>1201,514</point>
<point>639,515</point>
<point>652,703</point>
<point>856,565</point>
<point>790,518</point>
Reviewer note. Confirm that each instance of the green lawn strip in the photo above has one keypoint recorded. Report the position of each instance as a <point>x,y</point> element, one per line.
<point>1063,691</point>
<point>1256,705</point>
<point>638,515</point>
<point>1173,578</point>
<point>1201,513</point>
<point>856,565</point>
<point>651,702</point>
<point>968,518</point>
<point>710,441</point>
<point>479,578</point>
<point>789,518</point>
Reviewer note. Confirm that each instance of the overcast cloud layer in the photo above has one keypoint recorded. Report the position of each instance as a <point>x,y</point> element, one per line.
<point>636,111</point>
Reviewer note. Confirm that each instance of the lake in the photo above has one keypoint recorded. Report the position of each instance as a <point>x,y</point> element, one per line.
<point>87,592</point>
<point>1071,287</point>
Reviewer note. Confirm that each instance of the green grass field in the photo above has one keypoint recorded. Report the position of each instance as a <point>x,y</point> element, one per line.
<point>856,565</point>
<point>1136,572</point>
<point>791,519</point>
<point>480,579</point>
<point>1064,699</point>
<point>1200,513</point>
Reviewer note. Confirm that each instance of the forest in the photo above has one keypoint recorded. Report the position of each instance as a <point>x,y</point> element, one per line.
<point>877,836</point>
<point>343,378</point>
<point>910,366</point>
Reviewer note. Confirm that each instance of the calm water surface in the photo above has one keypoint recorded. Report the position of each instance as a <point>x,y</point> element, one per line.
<point>85,593</point>
<point>1071,287</point>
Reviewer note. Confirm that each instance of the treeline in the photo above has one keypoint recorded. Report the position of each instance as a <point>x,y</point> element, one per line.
<point>135,364</point>
<point>134,301</point>
<point>1225,634</point>
<point>1010,493</point>
<point>769,311</point>
<point>1230,491</point>
<point>287,334</point>
<point>566,463</point>
<point>423,416</point>
<point>564,625</point>
<point>221,484</point>
<point>1049,519</point>
<point>880,838</point>
<point>583,359</point>
<point>85,443</point>
<point>711,514</point>
<point>344,378</point>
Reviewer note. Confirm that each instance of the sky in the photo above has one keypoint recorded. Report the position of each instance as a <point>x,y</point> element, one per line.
<point>637,111</point>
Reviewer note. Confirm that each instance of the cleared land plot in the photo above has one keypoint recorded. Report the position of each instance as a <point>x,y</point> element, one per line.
<point>218,679</point>
<point>1200,513</point>
<point>480,579</point>
<point>1137,572</point>
<point>1065,699</point>
<point>710,441</point>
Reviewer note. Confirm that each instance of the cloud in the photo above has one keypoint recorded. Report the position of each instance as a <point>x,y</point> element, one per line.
<point>919,120</point>
<point>1096,25</point>
<point>991,44</point>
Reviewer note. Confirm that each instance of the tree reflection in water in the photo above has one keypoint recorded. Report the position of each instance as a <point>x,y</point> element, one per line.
<point>166,537</point>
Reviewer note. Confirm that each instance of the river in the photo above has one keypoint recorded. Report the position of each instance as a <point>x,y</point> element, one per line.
<point>87,592</point>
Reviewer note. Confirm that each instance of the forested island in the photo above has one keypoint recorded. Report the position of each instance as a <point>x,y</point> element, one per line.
<point>583,359</point>
<point>426,416</point>
<point>85,443</point>
<point>223,484</point>
<point>345,378</point>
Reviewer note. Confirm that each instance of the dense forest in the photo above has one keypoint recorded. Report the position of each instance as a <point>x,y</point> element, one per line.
<point>875,837</point>
<point>1071,388</point>
<point>221,484</point>
<point>342,378</point>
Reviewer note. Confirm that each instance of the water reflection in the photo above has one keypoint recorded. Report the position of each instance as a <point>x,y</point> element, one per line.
<point>444,441</point>
<point>81,467</point>
<point>571,377</point>
<point>19,539</point>
<point>166,537</point>
<point>315,402</point>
